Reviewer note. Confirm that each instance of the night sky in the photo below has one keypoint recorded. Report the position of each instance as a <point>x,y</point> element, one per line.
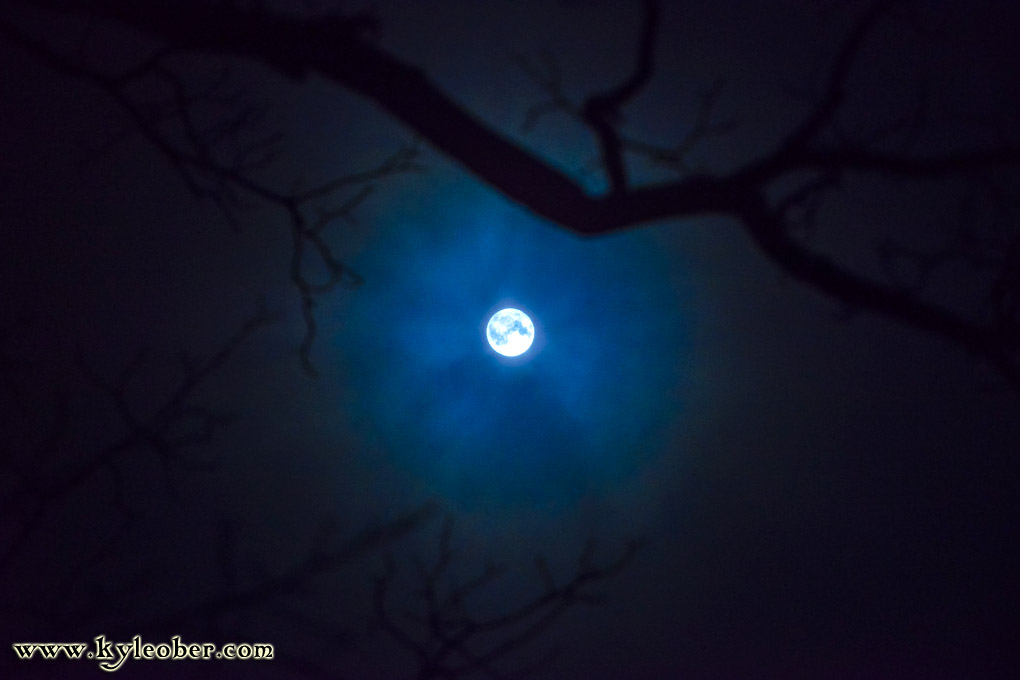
<point>815,494</point>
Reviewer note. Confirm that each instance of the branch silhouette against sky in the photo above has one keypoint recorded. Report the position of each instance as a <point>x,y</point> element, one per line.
<point>811,160</point>
<point>815,498</point>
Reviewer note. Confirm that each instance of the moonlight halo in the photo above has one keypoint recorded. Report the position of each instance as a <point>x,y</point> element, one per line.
<point>510,332</point>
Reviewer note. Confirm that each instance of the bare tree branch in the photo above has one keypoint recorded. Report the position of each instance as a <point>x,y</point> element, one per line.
<point>828,104</point>
<point>705,126</point>
<point>342,49</point>
<point>449,641</point>
<point>272,589</point>
<point>175,425</point>
<point>997,344</point>
<point>198,161</point>
<point>602,111</point>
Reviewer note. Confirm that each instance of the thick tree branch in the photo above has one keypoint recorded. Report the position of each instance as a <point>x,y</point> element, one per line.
<point>341,49</point>
<point>338,49</point>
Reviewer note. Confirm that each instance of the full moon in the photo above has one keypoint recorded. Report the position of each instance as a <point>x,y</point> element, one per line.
<point>510,332</point>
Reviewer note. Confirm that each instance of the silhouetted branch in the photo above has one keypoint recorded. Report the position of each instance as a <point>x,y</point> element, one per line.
<point>827,105</point>
<point>602,111</point>
<point>218,166</point>
<point>705,126</point>
<point>273,590</point>
<point>816,153</point>
<point>546,74</point>
<point>998,344</point>
<point>449,641</point>
<point>169,429</point>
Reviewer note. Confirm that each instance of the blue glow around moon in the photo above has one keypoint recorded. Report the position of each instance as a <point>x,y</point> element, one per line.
<point>427,394</point>
<point>510,332</point>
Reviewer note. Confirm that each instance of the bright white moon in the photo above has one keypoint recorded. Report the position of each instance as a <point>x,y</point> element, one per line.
<point>510,332</point>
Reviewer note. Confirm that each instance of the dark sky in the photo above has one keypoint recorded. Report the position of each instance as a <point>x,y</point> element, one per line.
<point>818,496</point>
